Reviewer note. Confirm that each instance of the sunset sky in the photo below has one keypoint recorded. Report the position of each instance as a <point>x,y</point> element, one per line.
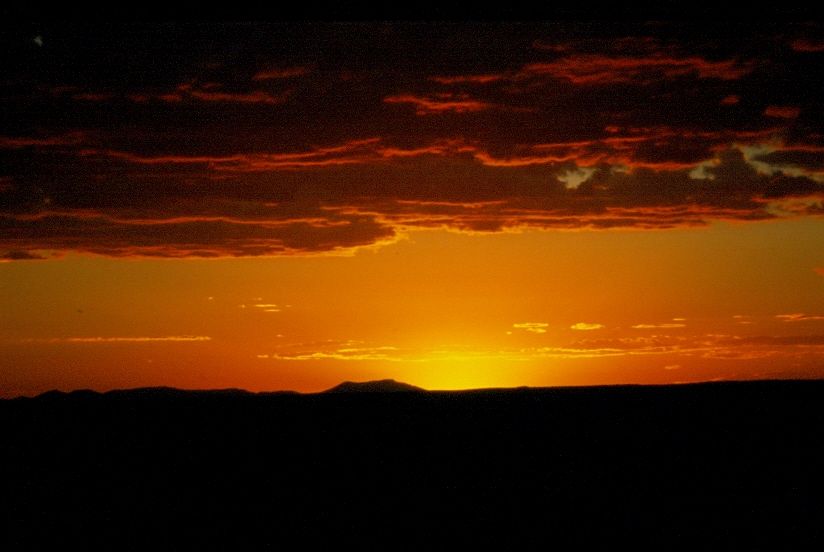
<point>452,205</point>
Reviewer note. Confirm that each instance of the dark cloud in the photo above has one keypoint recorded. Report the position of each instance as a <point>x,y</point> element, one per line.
<point>211,140</point>
<point>808,159</point>
<point>21,256</point>
<point>808,45</point>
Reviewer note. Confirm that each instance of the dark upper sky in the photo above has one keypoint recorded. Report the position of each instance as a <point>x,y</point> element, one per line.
<point>206,139</point>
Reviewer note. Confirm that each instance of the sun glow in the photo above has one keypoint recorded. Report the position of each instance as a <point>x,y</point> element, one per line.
<point>468,371</point>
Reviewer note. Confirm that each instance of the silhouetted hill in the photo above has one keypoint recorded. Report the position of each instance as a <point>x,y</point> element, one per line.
<point>380,386</point>
<point>721,463</point>
<point>168,393</point>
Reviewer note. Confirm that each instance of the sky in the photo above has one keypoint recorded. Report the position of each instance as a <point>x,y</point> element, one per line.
<point>287,206</point>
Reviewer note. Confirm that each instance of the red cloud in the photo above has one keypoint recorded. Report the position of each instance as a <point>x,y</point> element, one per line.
<point>599,69</point>
<point>316,204</point>
<point>250,97</point>
<point>426,106</point>
<point>358,151</point>
<point>70,139</point>
<point>281,73</point>
<point>631,151</point>
<point>638,140</point>
<point>805,45</point>
<point>93,97</point>
<point>476,79</point>
<point>785,112</point>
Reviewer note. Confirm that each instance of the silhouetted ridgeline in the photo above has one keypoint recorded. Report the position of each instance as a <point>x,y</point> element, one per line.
<point>739,462</point>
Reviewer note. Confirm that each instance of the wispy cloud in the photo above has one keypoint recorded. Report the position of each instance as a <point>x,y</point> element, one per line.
<point>585,326</point>
<point>267,307</point>
<point>536,327</point>
<point>720,347</point>
<point>256,96</point>
<point>446,102</point>
<point>462,79</point>
<point>69,139</point>
<point>336,350</point>
<point>598,69</point>
<point>127,339</point>
<point>667,325</point>
<point>799,317</point>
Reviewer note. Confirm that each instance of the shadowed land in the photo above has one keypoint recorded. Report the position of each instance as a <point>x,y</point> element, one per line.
<point>734,461</point>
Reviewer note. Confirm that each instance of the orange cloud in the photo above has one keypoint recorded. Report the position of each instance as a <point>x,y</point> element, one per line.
<point>799,317</point>
<point>337,350</point>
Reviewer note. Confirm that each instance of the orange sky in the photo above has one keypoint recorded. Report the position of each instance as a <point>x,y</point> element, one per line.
<point>544,206</point>
<point>436,309</point>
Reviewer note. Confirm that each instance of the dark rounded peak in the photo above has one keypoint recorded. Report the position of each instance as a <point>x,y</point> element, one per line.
<point>76,394</point>
<point>380,386</point>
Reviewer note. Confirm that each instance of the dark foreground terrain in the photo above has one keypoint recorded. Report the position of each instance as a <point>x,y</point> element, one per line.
<point>661,465</point>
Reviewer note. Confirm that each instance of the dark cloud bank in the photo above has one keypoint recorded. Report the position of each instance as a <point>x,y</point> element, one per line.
<point>245,139</point>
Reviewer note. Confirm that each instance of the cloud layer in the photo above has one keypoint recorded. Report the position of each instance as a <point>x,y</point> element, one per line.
<point>196,141</point>
<point>708,346</point>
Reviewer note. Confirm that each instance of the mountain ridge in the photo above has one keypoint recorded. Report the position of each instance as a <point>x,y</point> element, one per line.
<point>380,386</point>
<point>375,386</point>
